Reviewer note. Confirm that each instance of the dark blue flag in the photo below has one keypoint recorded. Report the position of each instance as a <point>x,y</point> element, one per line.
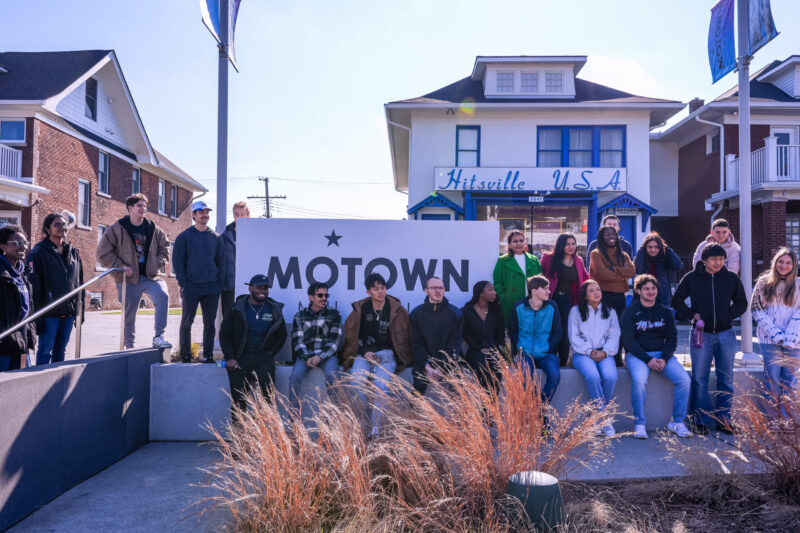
<point>762,27</point>
<point>721,50</point>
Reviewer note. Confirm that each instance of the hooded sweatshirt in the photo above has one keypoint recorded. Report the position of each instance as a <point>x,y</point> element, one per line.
<point>648,329</point>
<point>731,248</point>
<point>717,298</point>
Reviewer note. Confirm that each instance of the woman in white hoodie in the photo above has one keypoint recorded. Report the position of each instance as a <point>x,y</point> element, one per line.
<point>775,309</point>
<point>594,336</point>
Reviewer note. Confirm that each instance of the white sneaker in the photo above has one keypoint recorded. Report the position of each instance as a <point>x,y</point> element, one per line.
<point>680,429</point>
<point>609,430</point>
<point>160,342</point>
<point>640,431</point>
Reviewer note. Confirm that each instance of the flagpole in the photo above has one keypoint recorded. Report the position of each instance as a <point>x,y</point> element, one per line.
<point>222,119</point>
<point>745,210</point>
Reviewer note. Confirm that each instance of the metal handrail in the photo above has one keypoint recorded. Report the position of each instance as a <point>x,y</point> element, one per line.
<point>79,318</point>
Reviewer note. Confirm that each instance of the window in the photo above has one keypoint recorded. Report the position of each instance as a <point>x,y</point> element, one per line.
<point>793,231</point>
<point>12,131</point>
<point>173,201</point>
<point>91,99</point>
<point>529,82</point>
<point>505,82</point>
<point>715,143</point>
<point>102,173</point>
<point>136,181</point>
<point>554,82</point>
<point>101,230</point>
<point>162,193</point>
<point>581,146</point>
<point>468,146</point>
<point>83,203</point>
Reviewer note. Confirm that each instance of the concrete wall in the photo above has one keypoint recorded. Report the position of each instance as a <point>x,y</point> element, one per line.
<point>65,422</point>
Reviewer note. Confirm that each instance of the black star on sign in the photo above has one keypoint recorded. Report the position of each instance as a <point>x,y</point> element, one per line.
<point>333,238</point>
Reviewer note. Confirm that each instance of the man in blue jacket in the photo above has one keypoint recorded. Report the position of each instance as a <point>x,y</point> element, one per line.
<point>535,331</point>
<point>197,260</point>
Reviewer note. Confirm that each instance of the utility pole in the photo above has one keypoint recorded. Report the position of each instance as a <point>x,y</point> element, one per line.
<point>267,198</point>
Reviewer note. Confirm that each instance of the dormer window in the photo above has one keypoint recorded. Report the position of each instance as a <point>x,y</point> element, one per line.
<point>529,82</point>
<point>554,82</point>
<point>505,82</point>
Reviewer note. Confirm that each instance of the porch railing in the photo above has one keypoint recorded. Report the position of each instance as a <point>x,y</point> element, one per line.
<point>771,163</point>
<point>10,162</point>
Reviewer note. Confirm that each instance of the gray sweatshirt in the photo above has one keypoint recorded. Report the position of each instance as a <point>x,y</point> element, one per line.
<point>197,260</point>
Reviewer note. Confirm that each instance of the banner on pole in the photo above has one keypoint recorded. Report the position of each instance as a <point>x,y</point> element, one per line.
<point>293,253</point>
<point>762,27</point>
<point>211,12</point>
<point>721,50</point>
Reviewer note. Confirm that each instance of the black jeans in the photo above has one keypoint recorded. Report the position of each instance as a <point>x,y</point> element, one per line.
<point>208,303</point>
<point>617,302</point>
<point>564,302</point>
<point>257,371</point>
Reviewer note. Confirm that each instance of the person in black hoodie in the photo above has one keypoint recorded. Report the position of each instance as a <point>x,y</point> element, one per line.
<point>650,338</point>
<point>435,334</point>
<point>717,297</point>
<point>15,299</point>
<point>252,332</point>
<point>55,269</point>
<point>484,332</point>
<point>228,238</point>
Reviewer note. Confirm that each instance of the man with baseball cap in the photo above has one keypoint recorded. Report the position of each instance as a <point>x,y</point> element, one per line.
<point>197,260</point>
<point>252,332</point>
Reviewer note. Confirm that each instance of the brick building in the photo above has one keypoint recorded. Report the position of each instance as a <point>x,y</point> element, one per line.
<point>71,138</point>
<point>697,162</point>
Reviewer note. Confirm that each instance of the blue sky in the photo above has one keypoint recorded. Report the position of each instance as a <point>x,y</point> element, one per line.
<point>307,106</point>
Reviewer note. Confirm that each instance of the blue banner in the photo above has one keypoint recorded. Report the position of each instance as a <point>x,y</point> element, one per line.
<point>762,27</point>
<point>210,10</point>
<point>721,50</point>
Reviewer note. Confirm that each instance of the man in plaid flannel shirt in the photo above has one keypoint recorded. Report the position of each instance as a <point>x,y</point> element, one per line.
<point>316,337</point>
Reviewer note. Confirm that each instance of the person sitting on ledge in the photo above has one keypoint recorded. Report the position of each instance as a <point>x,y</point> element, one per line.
<point>650,338</point>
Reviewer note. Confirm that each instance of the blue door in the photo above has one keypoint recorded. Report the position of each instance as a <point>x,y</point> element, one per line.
<point>627,227</point>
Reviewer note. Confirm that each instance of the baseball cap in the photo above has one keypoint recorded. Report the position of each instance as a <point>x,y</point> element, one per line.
<point>259,279</point>
<point>200,204</point>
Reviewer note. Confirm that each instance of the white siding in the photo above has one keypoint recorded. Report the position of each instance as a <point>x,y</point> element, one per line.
<point>664,178</point>
<point>788,82</point>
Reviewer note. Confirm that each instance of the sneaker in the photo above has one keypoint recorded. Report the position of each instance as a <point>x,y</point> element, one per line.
<point>160,342</point>
<point>185,359</point>
<point>700,429</point>
<point>209,360</point>
<point>609,430</point>
<point>679,428</point>
<point>640,431</point>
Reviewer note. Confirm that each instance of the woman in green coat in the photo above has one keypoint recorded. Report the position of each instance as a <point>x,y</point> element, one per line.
<point>509,278</point>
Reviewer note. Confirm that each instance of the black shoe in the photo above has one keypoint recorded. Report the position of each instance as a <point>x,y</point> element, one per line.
<point>728,429</point>
<point>700,429</point>
<point>186,359</point>
<point>208,360</point>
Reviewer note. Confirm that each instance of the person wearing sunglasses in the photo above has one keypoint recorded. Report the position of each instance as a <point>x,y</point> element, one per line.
<point>55,270</point>
<point>317,336</point>
<point>15,300</point>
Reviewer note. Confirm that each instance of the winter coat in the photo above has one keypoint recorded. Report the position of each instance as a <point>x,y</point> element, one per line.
<point>594,333</point>
<point>116,250</point>
<point>399,332</point>
<point>718,298</point>
<point>510,282</point>
<point>777,322</point>
<point>435,328</point>
<point>648,329</point>
<point>52,275</point>
<point>611,279</point>
<point>669,261</point>
<point>480,334</point>
<point>583,275</point>
<point>228,239</point>
<point>535,332</point>
<point>24,338</point>
<point>731,248</point>
<point>233,332</point>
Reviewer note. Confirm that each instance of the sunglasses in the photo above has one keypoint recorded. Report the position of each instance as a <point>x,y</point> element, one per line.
<point>18,244</point>
<point>322,295</point>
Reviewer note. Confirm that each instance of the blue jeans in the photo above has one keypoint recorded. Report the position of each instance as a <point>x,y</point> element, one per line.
<point>721,347</point>
<point>299,370</point>
<point>779,379</point>
<point>157,291</point>
<point>53,341</point>
<point>673,371</point>
<point>601,378</point>
<point>549,364</point>
<point>383,373</point>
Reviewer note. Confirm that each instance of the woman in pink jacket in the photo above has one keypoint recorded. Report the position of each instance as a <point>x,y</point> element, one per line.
<point>566,272</point>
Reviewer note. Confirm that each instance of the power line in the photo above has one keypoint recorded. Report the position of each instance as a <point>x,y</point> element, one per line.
<point>300,180</point>
<point>267,198</point>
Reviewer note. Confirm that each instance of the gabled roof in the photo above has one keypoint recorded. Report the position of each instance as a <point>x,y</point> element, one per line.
<point>760,91</point>
<point>40,75</point>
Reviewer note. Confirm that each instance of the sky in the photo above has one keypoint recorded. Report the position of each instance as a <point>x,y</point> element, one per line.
<point>306,108</point>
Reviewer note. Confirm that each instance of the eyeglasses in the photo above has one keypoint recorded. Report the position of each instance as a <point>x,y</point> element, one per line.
<point>322,295</point>
<point>436,288</point>
<point>18,244</point>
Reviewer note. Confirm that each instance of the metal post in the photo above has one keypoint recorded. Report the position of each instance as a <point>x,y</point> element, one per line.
<point>122,320</point>
<point>79,326</point>
<point>745,185</point>
<point>222,119</point>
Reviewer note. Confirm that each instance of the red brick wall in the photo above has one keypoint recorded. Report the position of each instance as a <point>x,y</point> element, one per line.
<point>757,134</point>
<point>58,161</point>
<point>768,230</point>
